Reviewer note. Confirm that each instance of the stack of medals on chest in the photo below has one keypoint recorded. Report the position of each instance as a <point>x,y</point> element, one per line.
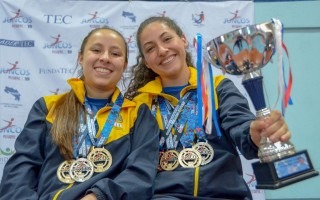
<point>180,119</point>
<point>98,159</point>
<point>82,169</point>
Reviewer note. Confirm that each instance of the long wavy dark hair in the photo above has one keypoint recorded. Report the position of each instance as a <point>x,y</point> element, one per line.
<point>140,74</point>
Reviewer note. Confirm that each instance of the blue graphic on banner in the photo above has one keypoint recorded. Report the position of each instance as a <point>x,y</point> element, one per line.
<point>129,15</point>
<point>13,92</point>
<point>13,43</point>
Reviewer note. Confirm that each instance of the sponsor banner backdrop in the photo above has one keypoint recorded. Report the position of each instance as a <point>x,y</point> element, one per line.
<point>39,43</point>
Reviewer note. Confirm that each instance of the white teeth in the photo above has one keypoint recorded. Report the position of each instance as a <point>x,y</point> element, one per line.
<point>168,60</point>
<point>102,70</point>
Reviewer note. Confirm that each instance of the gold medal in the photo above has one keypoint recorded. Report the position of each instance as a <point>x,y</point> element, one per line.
<point>169,160</point>
<point>206,151</point>
<point>100,158</point>
<point>63,172</point>
<point>189,158</point>
<point>81,170</point>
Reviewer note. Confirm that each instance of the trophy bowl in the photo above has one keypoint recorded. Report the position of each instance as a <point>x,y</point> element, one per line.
<point>244,52</point>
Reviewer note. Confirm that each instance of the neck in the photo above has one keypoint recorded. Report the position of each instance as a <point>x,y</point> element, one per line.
<point>179,79</point>
<point>98,94</point>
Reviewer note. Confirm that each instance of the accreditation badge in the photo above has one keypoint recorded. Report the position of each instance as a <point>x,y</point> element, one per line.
<point>169,160</point>
<point>100,158</point>
<point>206,151</point>
<point>81,170</point>
<point>189,158</point>
<point>63,172</point>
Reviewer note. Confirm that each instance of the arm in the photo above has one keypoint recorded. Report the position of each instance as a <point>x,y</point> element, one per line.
<point>20,175</point>
<point>245,130</point>
<point>136,180</point>
<point>236,117</point>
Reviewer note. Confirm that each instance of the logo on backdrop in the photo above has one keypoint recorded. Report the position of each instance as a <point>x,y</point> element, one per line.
<point>252,179</point>
<point>235,20</point>
<point>6,152</point>
<point>55,92</point>
<point>13,92</point>
<point>94,20</point>
<point>162,14</point>
<point>18,20</point>
<point>58,46</point>
<point>58,19</point>
<point>251,182</point>
<point>132,43</point>
<point>12,98</point>
<point>14,43</point>
<point>15,72</point>
<point>129,15</point>
<point>130,20</point>
<point>198,18</point>
<point>57,70</point>
<point>9,130</point>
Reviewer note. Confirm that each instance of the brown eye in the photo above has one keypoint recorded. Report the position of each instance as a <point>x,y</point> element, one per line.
<point>96,50</point>
<point>150,49</point>
<point>116,54</point>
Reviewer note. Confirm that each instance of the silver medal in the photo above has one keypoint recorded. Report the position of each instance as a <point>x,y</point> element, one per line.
<point>189,158</point>
<point>81,170</point>
<point>206,151</point>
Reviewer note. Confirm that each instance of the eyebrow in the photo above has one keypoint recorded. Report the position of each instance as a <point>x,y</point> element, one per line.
<point>151,42</point>
<point>111,47</point>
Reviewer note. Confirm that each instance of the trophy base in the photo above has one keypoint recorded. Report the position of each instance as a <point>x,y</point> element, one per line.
<point>284,171</point>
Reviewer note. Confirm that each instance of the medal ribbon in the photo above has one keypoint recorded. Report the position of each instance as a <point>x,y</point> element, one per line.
<point>207,114</point>
<point>80,148</point>
<point>190,112</point>
<point>108,125</point>
<point>287,99</point>
<point>167,112</point>
<point>284,89</point>
<point>88,131</point>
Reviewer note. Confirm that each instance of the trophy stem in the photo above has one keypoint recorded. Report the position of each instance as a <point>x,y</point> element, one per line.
<point>268,151</point>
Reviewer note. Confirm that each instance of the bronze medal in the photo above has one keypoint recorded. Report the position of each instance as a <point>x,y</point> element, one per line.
<point>169,160</point>
<point>81,170</point>
<point>206,151</point>
<point>159,166</point>
<point>190,158</point>
<point>100,158</point>
<point>63,172</point>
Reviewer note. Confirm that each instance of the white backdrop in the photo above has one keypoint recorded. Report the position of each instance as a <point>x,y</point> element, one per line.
<point>39,43</point>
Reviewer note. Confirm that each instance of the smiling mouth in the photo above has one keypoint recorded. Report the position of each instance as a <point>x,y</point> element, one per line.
<point>103,70</point>
<point>168,60</point>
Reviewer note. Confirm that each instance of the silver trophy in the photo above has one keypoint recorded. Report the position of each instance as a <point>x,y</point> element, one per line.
<point>244,52</point>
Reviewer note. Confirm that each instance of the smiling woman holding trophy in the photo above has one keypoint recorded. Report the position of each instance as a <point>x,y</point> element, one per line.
<point>251,48</point>
<point>197,161</point>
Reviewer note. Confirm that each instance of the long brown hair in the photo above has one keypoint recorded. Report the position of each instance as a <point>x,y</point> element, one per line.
<point>140,73</point>
<point>68,109</point>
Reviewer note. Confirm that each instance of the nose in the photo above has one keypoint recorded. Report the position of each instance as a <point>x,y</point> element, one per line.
<point>162,49</point>
<point>104,56</point>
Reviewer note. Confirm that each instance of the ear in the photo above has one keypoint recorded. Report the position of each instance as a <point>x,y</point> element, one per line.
<point>145,63</point>
<point>80,58</point>
<point>125,66</point>
<point>185,41</point>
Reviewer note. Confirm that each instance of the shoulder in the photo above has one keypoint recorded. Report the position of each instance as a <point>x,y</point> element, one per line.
<point>51,100</point>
